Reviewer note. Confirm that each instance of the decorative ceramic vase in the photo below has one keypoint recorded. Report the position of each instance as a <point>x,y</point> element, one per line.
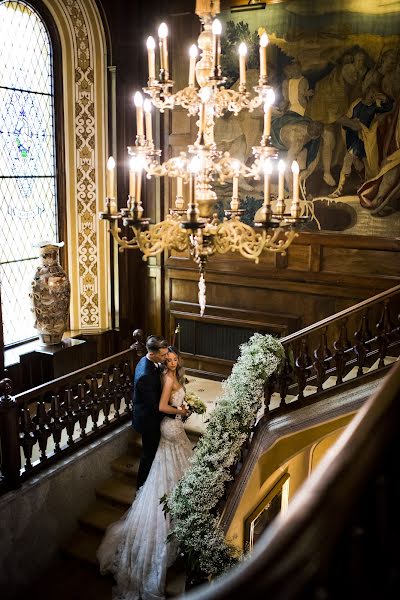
<point>50,295</point>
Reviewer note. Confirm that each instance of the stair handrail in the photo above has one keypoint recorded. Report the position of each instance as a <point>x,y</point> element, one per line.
<point>314,550</point>
<point>347,312</point>
<point>72,377</point>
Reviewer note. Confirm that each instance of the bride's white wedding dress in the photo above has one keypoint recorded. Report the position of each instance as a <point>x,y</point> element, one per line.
<point>134,549</point>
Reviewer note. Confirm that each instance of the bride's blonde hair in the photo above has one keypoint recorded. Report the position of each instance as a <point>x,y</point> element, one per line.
<point>180,370</point>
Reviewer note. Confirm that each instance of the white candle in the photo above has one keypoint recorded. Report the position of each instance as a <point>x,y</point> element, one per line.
<point>147,112</point>
<point>163,35</point>
<point>132,178</point>
<point>151,57</point>
<point>179,187</point>
<point>242,63</point>
<point>270,99</point>
<point>216,31</point>
<point>138,100</point>
<point>138,185</point>
<point>263,55</point>
<point>295,208</point>
<point>235,190</point>
<point>192,64</point>
<point>205,95</point>
<point>281,180</point>
<point>267,181</point>
<point>110,177</point>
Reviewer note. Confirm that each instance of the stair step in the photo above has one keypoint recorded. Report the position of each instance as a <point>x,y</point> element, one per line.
<point>117,491</point>
<point>330,382</point>
<point>128,464</point>
<point>352,374</point>
<point>83,545</point>
<point>100,515</point>
<point>310,389</point>
<point>388,360</point>
<point>175,580</point>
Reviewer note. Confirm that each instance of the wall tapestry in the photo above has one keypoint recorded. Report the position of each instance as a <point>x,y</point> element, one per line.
<point>336,77</point>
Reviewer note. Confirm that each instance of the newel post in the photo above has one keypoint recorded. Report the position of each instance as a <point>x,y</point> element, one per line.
<point>9,436</point>
<point>139,344</point>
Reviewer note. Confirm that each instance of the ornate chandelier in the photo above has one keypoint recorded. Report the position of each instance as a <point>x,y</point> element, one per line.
<point>196,227</point>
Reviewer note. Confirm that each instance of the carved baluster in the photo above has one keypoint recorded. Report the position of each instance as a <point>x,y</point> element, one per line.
<point>43,432</point>
<point>27,436</point>
<point>322,355</point>
<point>384,328</point>
<point>127,386</point>
<point>341,345</point>
<point>269,388</point>
<point>95,403</point>
<point>285,375</point>
<point>303,363</point>
<point>83,410</point>
<point>361,348</point>
<point>9,435</point>
<point>70,417</point>
<point>117,390</point>
<point>107,395</point>
<point>56,424</point>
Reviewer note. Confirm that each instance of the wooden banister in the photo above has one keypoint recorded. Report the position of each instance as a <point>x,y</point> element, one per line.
<point>343,314</point>
<point>339,537</point>
<point>76,376</point>
<point>65,414</point>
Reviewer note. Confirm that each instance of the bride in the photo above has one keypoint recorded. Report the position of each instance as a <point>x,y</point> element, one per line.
<point>135,549</point>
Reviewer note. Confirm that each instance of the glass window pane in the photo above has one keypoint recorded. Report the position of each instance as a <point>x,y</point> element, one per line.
<point>28,201</point>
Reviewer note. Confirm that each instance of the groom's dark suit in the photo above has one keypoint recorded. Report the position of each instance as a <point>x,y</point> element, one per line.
<point>146,415</point>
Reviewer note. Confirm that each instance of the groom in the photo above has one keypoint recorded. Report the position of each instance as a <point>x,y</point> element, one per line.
<point>146,398</point>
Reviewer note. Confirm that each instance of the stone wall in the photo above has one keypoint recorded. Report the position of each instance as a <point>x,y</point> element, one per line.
<point>36,519</point>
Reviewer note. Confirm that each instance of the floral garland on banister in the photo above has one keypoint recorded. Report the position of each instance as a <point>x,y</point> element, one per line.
<point>192,503</point>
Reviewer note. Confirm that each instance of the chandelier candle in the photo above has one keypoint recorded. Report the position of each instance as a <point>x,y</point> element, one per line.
<point>179,187</point>
<point>242,64</point>
<point>110,177</point>
<point>132,178</point>
<point>263,58</point>
<point>295,208</point>
<point>192,64</point>
<point>267,184</point>
<point>216,31</point>
<point>270,99</point>
<point>151,58</point>
<point>163,37</point>
<point>205,94</point>
<point>138,100</point>
<point>280,205</point>
<point>149,128</point>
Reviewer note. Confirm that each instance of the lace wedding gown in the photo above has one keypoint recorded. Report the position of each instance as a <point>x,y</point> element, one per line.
<point>134,549</point>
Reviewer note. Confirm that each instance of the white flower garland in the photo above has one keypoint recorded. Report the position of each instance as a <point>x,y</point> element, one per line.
<point>201,538</point>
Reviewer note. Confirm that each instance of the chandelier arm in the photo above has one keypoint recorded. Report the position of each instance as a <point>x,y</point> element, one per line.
<point>165,235</point>
<point>123,242</point>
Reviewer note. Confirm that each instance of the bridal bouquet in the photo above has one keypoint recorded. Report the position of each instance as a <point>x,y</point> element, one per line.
<point>194,403</point>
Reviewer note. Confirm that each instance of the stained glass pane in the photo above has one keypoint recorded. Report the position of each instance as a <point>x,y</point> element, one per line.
<point>28,202</point>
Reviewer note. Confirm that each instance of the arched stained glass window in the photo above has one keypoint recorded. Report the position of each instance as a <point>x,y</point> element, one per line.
<point>28,200</point>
